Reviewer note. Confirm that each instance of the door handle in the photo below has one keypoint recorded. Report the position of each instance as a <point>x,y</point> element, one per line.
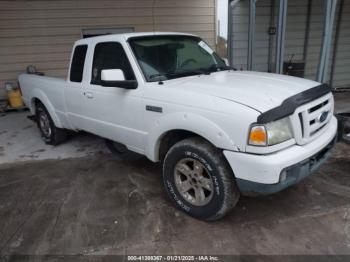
<point>88,95</point>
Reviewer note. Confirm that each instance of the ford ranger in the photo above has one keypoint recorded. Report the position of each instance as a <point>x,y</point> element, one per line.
<point>219,133</point>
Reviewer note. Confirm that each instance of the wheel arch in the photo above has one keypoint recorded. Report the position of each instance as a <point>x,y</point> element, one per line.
<point>39,96</point>
<point>172,129</point>
<point>170,138</point>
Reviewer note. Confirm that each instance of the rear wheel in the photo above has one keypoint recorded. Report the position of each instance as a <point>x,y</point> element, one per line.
<point>51,134</point>
<point>199,180</point>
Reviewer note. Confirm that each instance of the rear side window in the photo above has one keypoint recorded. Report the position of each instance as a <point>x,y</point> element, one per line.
<point>110,55</point>
<point>77,67</point>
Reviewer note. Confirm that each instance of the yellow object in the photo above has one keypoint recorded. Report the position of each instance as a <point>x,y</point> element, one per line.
<point>15,98</point>
<point>258,136</point>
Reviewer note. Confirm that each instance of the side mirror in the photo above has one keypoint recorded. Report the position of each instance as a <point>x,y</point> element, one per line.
<point>112,75</point>
<point>116,78</point>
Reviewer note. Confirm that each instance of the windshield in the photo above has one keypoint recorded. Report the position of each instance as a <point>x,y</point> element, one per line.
<point>166,57</point>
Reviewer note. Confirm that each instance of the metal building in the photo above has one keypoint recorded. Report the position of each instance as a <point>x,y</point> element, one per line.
<point>307,38</point>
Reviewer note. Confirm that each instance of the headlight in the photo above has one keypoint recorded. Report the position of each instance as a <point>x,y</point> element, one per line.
<point>271,133</point>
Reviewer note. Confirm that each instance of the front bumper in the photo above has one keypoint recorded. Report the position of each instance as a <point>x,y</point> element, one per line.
<point>267,174</point>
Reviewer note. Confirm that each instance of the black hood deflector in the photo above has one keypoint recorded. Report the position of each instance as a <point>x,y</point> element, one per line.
<point>289,105</point>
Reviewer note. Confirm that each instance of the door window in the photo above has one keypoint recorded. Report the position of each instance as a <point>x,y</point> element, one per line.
<point>110,55</point>
<point>77,66</point>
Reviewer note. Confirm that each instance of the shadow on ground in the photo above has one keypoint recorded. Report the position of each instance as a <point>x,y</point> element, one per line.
<point>100,205</point>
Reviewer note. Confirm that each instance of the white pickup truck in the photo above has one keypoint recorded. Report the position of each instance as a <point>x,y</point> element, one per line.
<point>219,133</point>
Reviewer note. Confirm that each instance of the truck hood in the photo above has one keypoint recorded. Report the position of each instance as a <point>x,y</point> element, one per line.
<point>260,91</point>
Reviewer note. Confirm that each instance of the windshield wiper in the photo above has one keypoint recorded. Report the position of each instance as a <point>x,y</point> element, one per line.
<point>182,72</point>
<point>216,68</point>
<point>179,73</point>
<point>156,75</point>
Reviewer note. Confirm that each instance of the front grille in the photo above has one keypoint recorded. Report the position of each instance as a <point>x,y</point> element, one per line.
<point>311,119</point>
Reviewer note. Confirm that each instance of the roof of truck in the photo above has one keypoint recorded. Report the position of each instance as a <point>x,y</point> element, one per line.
<point>125,36</point>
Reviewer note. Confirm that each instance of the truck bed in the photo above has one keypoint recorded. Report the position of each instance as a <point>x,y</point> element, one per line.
<point>48,89</point>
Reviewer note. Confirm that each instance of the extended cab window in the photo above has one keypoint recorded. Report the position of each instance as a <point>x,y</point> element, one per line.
<point>110,55</point>
<point>77,66</point>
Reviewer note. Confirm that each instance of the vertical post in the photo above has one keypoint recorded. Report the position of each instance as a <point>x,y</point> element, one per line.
<point>336,42</point>
<point>231,5</point>
<point>330,7</point>
<point>307,30</point>
<point>282,19</point>
<point>229,32</point>
<point>271,36</point>
<point>251,34</point>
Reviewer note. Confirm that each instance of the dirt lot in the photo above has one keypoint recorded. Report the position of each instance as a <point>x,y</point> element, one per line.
<point>84,201</point>
<point>100,205</point>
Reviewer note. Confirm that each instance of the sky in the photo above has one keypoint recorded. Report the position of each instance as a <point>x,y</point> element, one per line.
<point>222,17</point>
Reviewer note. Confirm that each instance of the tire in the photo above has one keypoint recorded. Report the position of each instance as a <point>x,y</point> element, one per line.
<point>50,134</point>
<point>201,172</point>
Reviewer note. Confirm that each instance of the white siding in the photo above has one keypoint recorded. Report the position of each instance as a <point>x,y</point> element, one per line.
<point>42,32</point>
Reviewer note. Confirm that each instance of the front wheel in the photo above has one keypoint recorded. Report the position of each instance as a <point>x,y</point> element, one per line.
<point>199,180</point>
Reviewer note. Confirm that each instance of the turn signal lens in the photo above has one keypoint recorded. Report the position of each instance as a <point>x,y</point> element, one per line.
<point>258,136</point>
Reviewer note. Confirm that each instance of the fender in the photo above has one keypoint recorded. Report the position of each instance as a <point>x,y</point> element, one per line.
<point>189,122</point>
<point>39,94</point>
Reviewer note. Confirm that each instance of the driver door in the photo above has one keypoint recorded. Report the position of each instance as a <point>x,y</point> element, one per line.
<point>114,112</point>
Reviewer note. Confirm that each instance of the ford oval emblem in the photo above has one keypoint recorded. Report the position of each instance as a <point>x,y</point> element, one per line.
<point>322,117</point>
